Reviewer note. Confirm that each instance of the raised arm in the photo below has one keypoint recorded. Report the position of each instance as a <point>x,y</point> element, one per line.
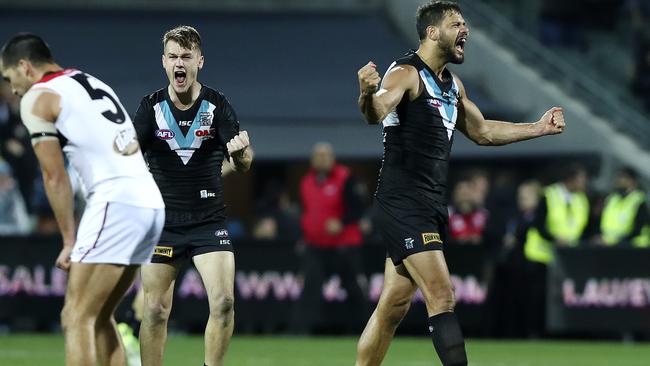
<point>489,132</point>
<point>39,110</point>
<point>376,103</point>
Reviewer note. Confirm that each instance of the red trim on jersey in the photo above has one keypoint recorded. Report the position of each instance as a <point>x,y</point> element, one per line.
<point>98,235</point>
<point>49,77</point>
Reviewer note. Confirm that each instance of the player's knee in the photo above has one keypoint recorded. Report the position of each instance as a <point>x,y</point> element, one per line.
<point>444,300</point>
<point>393,312</point>
<point>71,318</point>
<point>222,306</point>
<point>157,311</point>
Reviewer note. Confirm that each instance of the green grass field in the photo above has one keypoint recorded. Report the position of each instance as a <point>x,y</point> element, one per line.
<point>20,350</point>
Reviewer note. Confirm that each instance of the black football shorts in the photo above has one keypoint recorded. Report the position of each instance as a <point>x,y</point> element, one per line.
<point>406,231</point>
<point>185,242</point>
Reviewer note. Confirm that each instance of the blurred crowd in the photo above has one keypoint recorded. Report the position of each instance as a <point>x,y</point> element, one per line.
<point>21,194</point>
<point>519,222</point>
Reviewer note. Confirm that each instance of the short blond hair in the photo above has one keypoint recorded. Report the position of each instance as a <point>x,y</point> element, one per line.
<point>186,36</point>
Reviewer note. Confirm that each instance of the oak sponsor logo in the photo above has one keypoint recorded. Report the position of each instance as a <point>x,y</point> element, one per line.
<point>428,238</point>
<point>164,251</point>
<point>205,134</point>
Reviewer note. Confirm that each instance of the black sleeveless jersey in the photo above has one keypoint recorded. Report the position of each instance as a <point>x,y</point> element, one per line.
<point>185,150</point>
<point>418,136</point>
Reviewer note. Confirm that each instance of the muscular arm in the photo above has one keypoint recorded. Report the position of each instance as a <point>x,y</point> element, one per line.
<point>57,187</point>
<point>38,110</point>
<point>376,103</point>
<point>489,132</point>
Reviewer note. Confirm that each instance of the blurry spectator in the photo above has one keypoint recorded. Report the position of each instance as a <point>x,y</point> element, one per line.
<point>480,181</point>
<point>277,216</point>
<point>15,143</point>
<point>506,299</point>
<point>501,204</point>
<point>467,216</point>
<point>562,216</point>
<point>561,220</point>
<point>13,214</point>
<point>330,226</point>
<point>625,216</point>
<point>528,196</point>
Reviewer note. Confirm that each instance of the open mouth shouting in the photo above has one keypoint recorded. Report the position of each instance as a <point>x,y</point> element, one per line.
<point>460,43</point>
<point>180,77</point>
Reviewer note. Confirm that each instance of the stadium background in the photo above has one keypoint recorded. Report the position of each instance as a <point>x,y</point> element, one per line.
<point>289,69</point>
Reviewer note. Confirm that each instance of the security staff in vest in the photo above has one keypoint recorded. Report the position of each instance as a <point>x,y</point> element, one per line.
<point>561,220</point>
<point>625,219</point>
<point>331,210</point>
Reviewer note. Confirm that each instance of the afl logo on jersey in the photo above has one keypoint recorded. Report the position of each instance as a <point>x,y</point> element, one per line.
<point>165,134</point>
<point>434,102</point>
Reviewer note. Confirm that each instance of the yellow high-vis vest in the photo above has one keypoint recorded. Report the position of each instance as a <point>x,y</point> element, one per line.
<point>565,221</point>
<point>618,218</point>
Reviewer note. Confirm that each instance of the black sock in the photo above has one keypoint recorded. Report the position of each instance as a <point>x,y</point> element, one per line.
<point>448,339</point>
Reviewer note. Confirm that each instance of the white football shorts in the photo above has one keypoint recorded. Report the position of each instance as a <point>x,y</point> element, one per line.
<point>117,233</point>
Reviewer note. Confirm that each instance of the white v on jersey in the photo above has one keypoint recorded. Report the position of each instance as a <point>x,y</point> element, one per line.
<point>98,138</point>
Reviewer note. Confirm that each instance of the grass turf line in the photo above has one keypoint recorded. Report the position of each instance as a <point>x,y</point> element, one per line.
<point>37,349</point>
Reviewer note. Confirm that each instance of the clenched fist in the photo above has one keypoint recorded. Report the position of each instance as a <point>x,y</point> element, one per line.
<point>238,144</point>
<point>552,122</point>
<point>369,79</point>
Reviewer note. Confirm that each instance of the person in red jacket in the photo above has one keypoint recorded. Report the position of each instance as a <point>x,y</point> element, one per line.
<point>332,237</point>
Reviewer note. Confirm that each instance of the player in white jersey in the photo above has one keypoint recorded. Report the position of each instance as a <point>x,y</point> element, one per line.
<point>68,111</point>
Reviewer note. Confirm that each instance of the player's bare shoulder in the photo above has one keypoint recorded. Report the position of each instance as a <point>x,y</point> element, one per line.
<point>402,74</point>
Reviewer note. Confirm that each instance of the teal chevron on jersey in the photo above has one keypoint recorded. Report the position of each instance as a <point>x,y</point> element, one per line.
<point>184,141</point>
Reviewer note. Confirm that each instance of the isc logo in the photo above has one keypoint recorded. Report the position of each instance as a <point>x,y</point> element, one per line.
<point>165,134</point>
<point>206,194</point>
<point>185,123</point>
<point>202,133</point>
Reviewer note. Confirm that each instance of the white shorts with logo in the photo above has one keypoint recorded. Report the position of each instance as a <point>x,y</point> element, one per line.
<point>117,233</point>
